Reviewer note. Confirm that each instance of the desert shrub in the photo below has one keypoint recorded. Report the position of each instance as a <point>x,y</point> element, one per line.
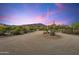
<point>69,31</point>
<point>32,29</point>
<point>76,31</point>
<point>16,30</point>
<point>26,29</point>
<point>73,29</point>
<point>2,29</point>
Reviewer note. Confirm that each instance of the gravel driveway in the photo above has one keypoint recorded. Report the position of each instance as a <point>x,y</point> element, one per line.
<point>37,43</point>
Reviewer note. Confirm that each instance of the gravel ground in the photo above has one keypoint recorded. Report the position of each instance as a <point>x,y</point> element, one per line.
<point>37,43</point>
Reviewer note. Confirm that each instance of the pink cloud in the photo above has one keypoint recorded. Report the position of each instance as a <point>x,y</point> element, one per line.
<point>52,12</point>
<point>1,17</point>
<point>41,17</point>
<point>5,17</point>
<point>48,14</point>
<point>59,5</point>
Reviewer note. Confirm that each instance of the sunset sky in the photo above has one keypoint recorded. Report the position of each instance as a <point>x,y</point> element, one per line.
<point>46,13</point>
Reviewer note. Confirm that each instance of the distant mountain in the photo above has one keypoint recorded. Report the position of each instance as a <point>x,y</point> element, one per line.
<point>36,24</point>
<point>2,24</point>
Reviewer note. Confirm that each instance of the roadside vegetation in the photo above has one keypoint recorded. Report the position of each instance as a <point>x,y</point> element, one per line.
<point>8,30</point>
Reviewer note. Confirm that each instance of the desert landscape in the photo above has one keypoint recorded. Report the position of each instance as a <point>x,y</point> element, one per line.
<point>39,29</point>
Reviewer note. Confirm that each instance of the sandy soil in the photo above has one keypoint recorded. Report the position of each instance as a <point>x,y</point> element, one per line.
<point>38,43</point>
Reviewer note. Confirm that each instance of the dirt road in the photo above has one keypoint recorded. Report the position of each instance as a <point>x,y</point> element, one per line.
<point>39,43</point>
